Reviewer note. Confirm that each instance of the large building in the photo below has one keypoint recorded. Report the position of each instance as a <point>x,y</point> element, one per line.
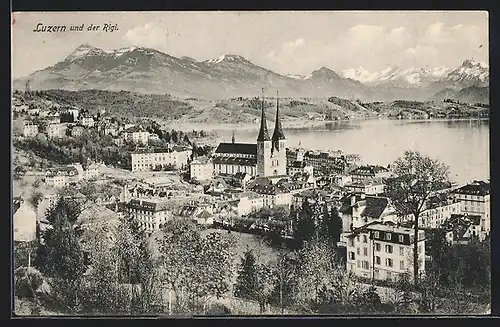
<point>266,158</point>
<point>150,214</point>
<point>384,251</point>
<point>475,200</point>
<point>30,129</point>
<point>175,158</point>
<point>201,168</point>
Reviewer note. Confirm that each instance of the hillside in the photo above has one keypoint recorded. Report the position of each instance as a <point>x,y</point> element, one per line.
<point>471,94</point>
<point>146,70</point>
<point>168,108</point>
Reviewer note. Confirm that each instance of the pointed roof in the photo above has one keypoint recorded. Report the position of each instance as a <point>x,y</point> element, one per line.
<point>278,130</point>
<point>263,133</point>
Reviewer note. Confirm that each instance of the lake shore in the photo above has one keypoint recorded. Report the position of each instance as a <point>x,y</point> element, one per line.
<point>291,124</point>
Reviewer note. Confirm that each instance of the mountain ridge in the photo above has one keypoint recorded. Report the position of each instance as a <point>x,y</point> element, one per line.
<point>147,70</point>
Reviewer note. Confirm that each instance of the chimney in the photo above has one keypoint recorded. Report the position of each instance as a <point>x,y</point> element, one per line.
<point>353,200</point>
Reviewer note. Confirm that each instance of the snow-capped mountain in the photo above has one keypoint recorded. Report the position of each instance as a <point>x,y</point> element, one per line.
<point>148,70</point>
<point>470,73</point>
<point>396,77</point>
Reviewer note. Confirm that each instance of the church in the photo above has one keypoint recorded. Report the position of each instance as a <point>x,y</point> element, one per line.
<point>267,158</point>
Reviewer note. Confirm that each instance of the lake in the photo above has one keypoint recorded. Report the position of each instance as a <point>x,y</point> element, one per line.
<point>463,145</point>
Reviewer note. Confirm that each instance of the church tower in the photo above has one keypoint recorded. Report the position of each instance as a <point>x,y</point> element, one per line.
<point>263,146</point>
<point>278,140</point>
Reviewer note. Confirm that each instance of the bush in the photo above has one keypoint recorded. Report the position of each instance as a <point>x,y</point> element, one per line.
<point>218,309</point>
<point>26,282</point>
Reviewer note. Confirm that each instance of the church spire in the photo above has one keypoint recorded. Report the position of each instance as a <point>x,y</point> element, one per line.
<point>232,138</point>
<point>278,130</point>
<point>263,133</point>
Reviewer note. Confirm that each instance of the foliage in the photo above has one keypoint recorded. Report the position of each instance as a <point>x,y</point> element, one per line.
<point>200,266</point>
<point>403,294</point>
<point>27,281</point>
<point>417,177</point>
<point>247,276</point>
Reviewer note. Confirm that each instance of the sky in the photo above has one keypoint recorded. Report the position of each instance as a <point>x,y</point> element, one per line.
<point>285,42</point>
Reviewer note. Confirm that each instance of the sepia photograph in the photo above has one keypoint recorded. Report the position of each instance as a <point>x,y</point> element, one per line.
<point>250,163</point>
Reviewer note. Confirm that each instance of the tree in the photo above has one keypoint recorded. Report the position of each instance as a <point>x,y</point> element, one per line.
<point>304,226</point>
<point>192,263</point>
<point>370,300</point>
<point>331,224</point>
<point>61,255</point>
<point>285,279</point>
<point>403,296</point>
<point>417,178</point>
<point>35,198</point>
<point>211,268</point>
<point>246,280</point>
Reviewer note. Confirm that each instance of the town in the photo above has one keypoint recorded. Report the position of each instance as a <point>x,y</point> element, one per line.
<point>387,238</point>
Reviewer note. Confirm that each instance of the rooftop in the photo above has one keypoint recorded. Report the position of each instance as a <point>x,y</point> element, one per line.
<point>237,148</point>
<point>475,188</point>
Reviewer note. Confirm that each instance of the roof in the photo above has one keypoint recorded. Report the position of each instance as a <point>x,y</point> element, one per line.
<point>235,161</point>
<point>263,133</point>
<point>270,189</point>
<point>386,227</point>
<point>367,182</point>
<point>64,170</point>
<point>298,164</point>
<point>148,205</point>
<point>96,214</point>
<point>475,188</point>
<point>204,215</point>
<point>237,148</point>
<point>135,129</point>
<point>374,206</point>
<point>202,160</point>
<point>278,130</point>
<point>369,170</point>
<point>188,211</point>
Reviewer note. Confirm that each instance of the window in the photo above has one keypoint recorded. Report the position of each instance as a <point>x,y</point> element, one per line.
<point>365,251</point>
<point>388,248</point>
<point>365,264</point>
<point>402,265</point>
<point>401,250</point>
<point>365,240</point>
<point>377,234</point>
<point>357,238</point>
<point>377,260</point>
<point>388,236</point>
<point>358,264</point>
<point>351,255</point>
<point>351,242</point>
<point>357,251</point>
<point>388,262</point>
<point>419,250</point>
<point>377,247</point>
<point>401,238</point>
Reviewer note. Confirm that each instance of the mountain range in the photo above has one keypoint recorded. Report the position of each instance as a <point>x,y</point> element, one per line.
<point>147,70</point>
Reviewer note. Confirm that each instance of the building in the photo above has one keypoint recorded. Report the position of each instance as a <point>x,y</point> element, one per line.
<point>232,158</point>
<point>150,214</point>
<point>97,216</point>
<point>56,130</point>
<point>87,171</point>
<point>461,229</point>
<point>475,200</point>
<point>359,209</point>
<point>30,129</point>
<point>78,131</point>
<point>136,134</point>
<point>369,186</point>
<point>326,162</point>
<point>369,172</point>
<point>87,121</point>
<point>384,251</point>
<point>274,194</point>
<point>437,210</point>
<point>266,158</point>
<point>111,129</point>
<point>158,159</point>
<point>248,202</point>
<point>59,177</point>
<point>24,222</point>
<point>271,152</point>
<point>201,168</point>
<point>300,167</point>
